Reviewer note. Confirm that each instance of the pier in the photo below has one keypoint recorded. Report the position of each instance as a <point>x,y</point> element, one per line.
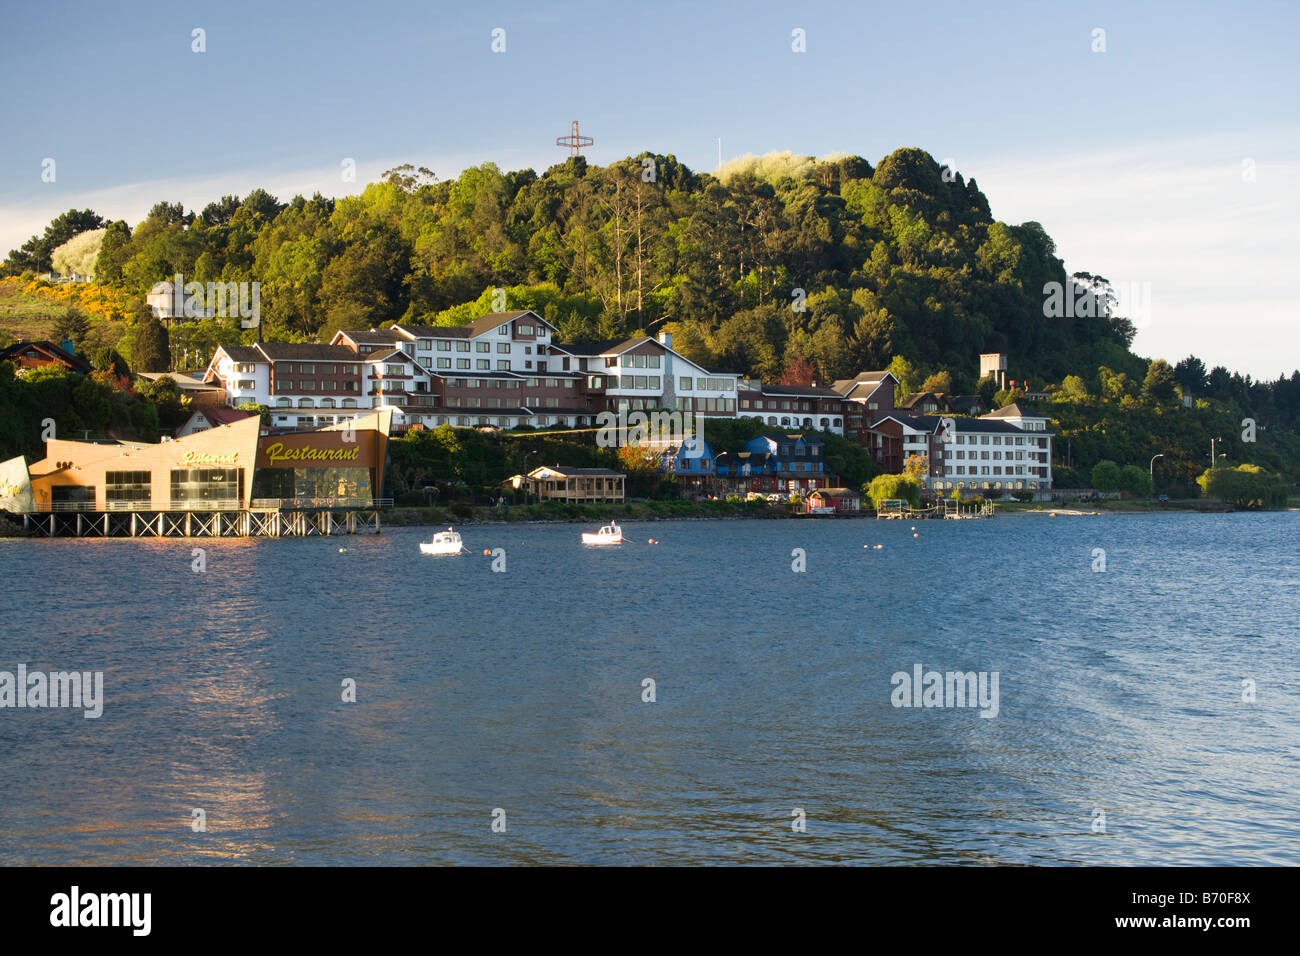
<point>270,521</point>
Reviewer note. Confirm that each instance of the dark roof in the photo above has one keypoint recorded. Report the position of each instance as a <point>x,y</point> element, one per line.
<point>484,323</point>
<point>815,390</point>
<point>1016,410</point>
<point>836,493</point>
<point>602,348</point>
<point>381,356</point>
<point>222,415</point>
<point>243,353</point>
<point>75,362</point>
<point>373,336</point>
<point>306,352</point>
<point>846,385</point>
<point>808,439</point>
<point>932,423</point>
<point>434,331</point>
<point>715,371</point>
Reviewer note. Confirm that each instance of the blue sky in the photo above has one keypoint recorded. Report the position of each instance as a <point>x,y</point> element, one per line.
<point>1132,159</point>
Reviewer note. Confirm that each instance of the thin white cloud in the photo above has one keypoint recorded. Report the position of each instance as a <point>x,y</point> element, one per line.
<point>1218,250</point>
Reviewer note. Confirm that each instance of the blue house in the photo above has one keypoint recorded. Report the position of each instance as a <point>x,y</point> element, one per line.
<point>692,462</point>
<point>774,464</point>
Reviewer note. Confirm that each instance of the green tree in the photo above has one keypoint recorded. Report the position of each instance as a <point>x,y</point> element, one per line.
<point>938,382</point>
<point>893,488</point>
<point>1073,389</point>
<point>1135,480</point>
<point>149,347</point>
<point>1160,382</point>
<point>1106,476</point>
<point>1245,486</point>
<point>108,360</point>
<point>73,325</point>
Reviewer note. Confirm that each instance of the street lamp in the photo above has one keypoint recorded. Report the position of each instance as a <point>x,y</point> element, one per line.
<point>1153,471</point>
<point>1212,441</point>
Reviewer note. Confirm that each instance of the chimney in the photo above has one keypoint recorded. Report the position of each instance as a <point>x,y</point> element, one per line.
<point>666,339</point>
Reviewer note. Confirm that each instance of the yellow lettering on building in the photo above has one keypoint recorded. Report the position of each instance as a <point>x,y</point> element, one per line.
<point>277,452</point>
<point>202,458</point>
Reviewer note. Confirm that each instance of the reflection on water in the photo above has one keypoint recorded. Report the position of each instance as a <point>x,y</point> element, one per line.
<point>1121,695</point>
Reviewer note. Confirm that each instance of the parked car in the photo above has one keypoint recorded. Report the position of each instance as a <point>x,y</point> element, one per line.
<point>1163,499</point>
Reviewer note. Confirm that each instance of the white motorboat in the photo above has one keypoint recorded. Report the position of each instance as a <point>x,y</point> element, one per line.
<point>444,542</point>
<point>610,534</point>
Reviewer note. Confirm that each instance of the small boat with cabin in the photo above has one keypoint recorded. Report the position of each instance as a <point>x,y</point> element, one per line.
<point>610,534</point>
<point>444,542</point>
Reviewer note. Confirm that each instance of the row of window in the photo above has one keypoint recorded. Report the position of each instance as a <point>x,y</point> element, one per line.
<point>709,385</point>
<point>997,455</point>
<point>784,404</point>
<point>984,470</point>
<point>635,361</point>
<point>309,385</point>
<point>324,403</point>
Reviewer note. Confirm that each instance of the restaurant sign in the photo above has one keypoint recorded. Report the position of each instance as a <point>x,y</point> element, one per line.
<point>276,452</point>
<point>203,458</point>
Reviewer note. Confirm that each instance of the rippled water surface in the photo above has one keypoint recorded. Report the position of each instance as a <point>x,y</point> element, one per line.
<point>1119,692</point>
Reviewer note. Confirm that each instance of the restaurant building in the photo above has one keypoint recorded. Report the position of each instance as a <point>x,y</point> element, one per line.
<point>229,467</point>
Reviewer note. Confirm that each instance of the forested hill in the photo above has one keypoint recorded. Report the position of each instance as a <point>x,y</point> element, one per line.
<point>773,265</point>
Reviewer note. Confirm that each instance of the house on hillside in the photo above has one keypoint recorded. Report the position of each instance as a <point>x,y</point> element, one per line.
<point>43,353</point>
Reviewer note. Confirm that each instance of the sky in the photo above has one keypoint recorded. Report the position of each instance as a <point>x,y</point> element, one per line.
<point>1168,162</point>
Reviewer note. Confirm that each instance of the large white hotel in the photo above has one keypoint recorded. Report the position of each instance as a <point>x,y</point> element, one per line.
<point>503,370</point>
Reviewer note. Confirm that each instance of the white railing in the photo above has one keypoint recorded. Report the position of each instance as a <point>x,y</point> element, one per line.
<point>301,504</point>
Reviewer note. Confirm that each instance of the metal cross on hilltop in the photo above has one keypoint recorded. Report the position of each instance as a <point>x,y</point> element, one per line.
<point>574,141</point>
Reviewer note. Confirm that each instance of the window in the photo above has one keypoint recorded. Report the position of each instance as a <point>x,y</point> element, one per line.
<point>462,346</point>
<point>684,385</point>
<point>503,365</point>
<point>444,346</point>
<point>284,386</point>
<point>348,403</point>
<point>198,485</point>
<point>444,363</point>
<point>307,386</point>
<point>483,365</point>
<point>653,361</point>
<point>503,348</point>
<point>349,370</point>
<point>306,369</point>
<point>327,370</point>
<point>241,367</point>
<point>283,403</point>
<point>462,363</point>
<point>640,381</point>
<point>327,403</point>
<point>245,385</point>
<point>127,486</point>
<point>484,346</point>
<point>504,330</point>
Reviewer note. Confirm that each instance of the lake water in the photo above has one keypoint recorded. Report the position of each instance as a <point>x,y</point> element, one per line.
<point>1120,693</point>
